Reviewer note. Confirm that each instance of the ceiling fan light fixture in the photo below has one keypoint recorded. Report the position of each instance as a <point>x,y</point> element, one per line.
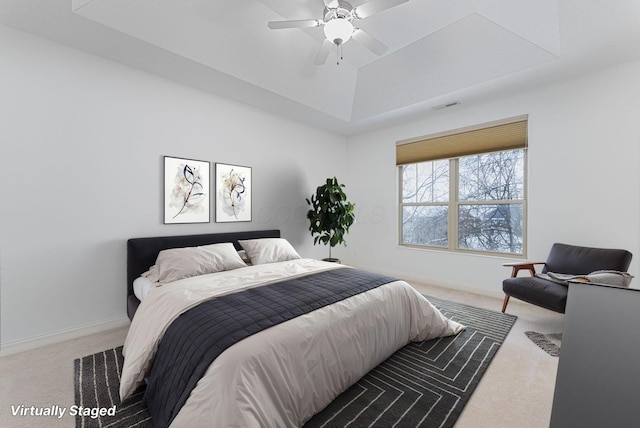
<point>338,30</point>
<point>338,21</point>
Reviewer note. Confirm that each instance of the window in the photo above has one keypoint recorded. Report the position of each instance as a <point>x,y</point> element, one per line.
<point>470,202</point>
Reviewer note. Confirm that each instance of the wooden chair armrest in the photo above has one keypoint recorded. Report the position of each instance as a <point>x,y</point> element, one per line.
<point>518,266</point>
<point>522,263</point>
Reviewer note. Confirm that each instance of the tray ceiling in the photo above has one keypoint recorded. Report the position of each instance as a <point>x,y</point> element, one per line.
<point>439,50</point>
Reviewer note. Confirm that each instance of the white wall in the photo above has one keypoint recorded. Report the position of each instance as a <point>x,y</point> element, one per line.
<point>81,169</point>
<point>584,181</point>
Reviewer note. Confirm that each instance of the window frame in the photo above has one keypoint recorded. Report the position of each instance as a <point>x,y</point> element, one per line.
<point>454,204</point>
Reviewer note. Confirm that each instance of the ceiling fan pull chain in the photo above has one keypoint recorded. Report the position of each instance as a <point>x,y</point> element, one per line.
<point>339,56</point>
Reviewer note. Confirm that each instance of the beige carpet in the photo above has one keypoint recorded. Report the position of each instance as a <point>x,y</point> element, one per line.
<point>517,389</point>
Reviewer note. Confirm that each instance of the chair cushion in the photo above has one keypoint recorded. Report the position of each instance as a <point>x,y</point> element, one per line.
<point>538,291</point>
<point>576,260</point>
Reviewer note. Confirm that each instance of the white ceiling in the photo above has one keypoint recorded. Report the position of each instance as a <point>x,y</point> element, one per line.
<point>439,50</point>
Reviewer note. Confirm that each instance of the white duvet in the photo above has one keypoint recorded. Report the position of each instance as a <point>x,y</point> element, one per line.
<point>285,374</point>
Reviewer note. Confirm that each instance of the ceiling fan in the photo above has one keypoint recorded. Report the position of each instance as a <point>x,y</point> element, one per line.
<point>338,22</point>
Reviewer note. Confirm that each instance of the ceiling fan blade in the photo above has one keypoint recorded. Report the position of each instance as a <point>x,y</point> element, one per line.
<point>369,42</point>
<point>374,6</point>
<point>300,23</point>
<point>331,4</point>
<point>323,52</point>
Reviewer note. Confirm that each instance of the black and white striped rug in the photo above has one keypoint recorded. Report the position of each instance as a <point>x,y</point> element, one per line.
<point>97,385</point>
<point>548,342</point>
<point>423,384</point>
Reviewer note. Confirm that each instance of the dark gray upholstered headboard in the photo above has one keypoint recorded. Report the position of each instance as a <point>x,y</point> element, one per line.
<point>142,252</point>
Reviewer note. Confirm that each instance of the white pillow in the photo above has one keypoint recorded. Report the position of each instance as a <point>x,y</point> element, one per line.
<point>177,263</point>
<point>142,286</point>
<point>269,250</point>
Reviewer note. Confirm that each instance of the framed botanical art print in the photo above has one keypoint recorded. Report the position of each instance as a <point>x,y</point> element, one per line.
<point>187,194</point>
<point>233,193</point>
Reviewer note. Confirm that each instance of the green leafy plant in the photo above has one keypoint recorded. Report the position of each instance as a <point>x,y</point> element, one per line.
<point>331,215</point>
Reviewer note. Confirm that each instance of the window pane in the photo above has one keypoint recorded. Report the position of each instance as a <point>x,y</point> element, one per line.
<point>425,182</point>
<point>491,227</point>
<point>492,176</point>
<point>425,225</point>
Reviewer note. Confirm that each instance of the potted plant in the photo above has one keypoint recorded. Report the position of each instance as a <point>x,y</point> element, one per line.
<point>330,215</point>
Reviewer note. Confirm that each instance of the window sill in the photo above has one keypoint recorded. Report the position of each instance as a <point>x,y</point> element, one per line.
<point>499,256</point>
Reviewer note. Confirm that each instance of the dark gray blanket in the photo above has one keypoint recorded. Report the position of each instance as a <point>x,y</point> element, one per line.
<point>199,335</point>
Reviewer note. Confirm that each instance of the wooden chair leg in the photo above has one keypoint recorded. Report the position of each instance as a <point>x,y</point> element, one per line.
<point>505,302</point>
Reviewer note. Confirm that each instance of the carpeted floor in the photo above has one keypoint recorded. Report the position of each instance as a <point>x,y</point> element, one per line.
<point>423,384</point>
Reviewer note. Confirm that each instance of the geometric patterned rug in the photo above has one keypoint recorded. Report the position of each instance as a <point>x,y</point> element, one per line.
<point>423,384</point>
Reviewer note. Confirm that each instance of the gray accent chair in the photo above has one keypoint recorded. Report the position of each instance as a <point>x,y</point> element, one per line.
<point>565,259</point>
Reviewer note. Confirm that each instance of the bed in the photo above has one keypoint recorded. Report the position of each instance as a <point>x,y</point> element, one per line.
<point>298,331</point>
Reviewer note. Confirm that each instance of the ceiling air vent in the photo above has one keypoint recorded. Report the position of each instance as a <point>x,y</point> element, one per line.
<point>447,105</point>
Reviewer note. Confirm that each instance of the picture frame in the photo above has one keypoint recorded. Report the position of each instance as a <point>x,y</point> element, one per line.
<point>233,193</point>
<point>187,191</point>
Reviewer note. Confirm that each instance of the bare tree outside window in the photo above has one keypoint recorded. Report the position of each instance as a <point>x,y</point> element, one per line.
<point>485,209</point>
<point>491,196</point>
<point>425,199</point>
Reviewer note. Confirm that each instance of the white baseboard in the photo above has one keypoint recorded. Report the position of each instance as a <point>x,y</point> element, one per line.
<point>14,347</point>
